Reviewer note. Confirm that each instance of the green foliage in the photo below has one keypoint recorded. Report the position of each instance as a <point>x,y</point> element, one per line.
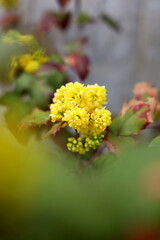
<point>10,98</point>
<point>54,129</point>
<point>129,123</point>
<point>36,118</point>
<point>39,94</point>
<point>83,19</point>
<point>52,78</point>
<point>56,58</point>
<point>24,82</point>
<point>117,143</point>
<point>48,202</point>
<point>16,111</point>
<point>155,142</point>
<point>112,23</point>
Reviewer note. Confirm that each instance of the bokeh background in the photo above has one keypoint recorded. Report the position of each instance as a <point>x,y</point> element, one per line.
<point>119,60</point>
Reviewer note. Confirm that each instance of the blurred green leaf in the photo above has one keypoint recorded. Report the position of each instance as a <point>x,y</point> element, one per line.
<point>10,98</point>
<point>16,111</point>
<point>155,142</point>
<point>117,143</point>
<point>24,82</point>
<point>56,58</point>
<point>40,94</point>
<point>53,78</point>
<point>48,201</point>
<point>83,19</point>
<point>112,23</point>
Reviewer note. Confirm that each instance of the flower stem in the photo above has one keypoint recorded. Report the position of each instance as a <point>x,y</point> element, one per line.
<point>100,150</point>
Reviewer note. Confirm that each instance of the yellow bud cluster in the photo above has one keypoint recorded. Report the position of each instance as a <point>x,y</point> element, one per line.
<point>83,145</point>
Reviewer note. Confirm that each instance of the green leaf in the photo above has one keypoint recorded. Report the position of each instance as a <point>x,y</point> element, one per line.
<point>71,47</point>
<point>53,78</point>
<point>24,82</point>
<point>112,23</point>
<point>40,94</point>
<point>119,121</point>
<point>10,98</point>
<point>16,111</point>
<point>155,142</point>
<point>55,128</point>
<point>55,58</point>
<point>129,123</point>
<point>36,118</point>
<point>83,18</point>
<point>117,143</point>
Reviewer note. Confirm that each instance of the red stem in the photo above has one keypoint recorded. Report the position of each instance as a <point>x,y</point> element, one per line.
<point>100,150</point>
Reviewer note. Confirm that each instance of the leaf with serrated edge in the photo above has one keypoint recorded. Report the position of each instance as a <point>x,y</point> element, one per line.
<point>55,128</point>
<point>36,118</point>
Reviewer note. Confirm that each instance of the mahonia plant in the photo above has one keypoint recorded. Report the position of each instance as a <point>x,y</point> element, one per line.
<point>81,108</point>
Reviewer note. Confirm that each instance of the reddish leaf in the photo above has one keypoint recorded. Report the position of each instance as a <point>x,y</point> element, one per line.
<point>80,63</point>
<point>134,116</point>
<point>75,45</point>
<point>8,20</point>
<point>146,233</point>
<point>143,88</point>
<point>49,66</point>
<point>63,3</point>
<point>54,19</point>
<point>137,105</point>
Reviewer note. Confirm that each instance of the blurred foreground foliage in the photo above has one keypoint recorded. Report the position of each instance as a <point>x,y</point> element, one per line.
<point>46,192</point>
<point>42,197</point>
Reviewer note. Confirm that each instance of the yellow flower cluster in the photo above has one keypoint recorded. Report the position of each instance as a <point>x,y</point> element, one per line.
<point>81,107</point>
<point>27,63</point>
<point>14,37</point>
<point>8,3</point>
<point>83,145</point>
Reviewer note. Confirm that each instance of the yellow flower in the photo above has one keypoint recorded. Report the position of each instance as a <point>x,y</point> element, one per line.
<point>32,66</point>
<point>14,37</point>
<point>100,118</point>
<point>77,118</point>
<point>81,107</point>
<point>27,63</point>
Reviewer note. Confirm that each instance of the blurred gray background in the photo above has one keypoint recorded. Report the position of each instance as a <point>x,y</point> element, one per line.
<point>119,60</point>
